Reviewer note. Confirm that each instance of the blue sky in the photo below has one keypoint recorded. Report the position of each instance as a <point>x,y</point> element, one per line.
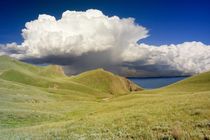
<point>168,21</point>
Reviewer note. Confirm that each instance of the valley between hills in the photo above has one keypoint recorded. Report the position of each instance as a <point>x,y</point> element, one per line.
<point>41,102</point>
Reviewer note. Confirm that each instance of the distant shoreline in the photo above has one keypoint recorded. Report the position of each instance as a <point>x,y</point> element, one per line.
<point>157,77</point>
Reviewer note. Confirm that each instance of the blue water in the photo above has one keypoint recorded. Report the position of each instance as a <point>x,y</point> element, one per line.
<point>151,83</point>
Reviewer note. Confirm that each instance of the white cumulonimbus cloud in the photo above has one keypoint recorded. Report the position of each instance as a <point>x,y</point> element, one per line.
<point>77,33</point>
<point>90,39</point>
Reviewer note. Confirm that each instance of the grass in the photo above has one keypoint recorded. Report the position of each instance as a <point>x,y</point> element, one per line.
<point>105,82</point>
<point>78,109</point>
<point>192,84</point>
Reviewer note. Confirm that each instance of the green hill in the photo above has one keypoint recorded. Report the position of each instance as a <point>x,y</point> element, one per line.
<point>106,82</point>
<point>8,63</point>
<point>200,82</point>
<point>52,76</point>
<point>46,77</point>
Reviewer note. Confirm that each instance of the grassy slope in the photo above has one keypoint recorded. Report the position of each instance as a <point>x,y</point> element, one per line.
<point>177,111</point>
<point>97,81</point>
<point>106,82</point>
<point>199,82</point>
<point>50,77</point>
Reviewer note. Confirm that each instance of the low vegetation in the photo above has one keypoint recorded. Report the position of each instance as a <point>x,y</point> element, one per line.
<point>42,103</point>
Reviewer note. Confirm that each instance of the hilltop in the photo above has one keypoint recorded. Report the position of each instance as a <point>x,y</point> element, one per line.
<point>106,82</point>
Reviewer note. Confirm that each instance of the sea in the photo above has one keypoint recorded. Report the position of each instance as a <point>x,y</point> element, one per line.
<point>156,82</point>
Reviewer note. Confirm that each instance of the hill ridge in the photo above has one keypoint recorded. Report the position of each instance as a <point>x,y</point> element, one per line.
<point>47,76</point>
<point>199,82</point>
<point>106,81</point>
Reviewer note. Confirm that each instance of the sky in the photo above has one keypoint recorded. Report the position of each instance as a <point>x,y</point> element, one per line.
<point>169,21</point>
<point>165,37</point>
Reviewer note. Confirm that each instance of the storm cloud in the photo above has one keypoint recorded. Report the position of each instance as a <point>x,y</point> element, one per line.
<point>83,40</point>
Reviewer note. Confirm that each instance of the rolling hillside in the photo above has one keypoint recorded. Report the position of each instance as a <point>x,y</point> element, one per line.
<point>106,82</point>
<point>42,103</point>
<point>200,82</point>
<point>52,76</point>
